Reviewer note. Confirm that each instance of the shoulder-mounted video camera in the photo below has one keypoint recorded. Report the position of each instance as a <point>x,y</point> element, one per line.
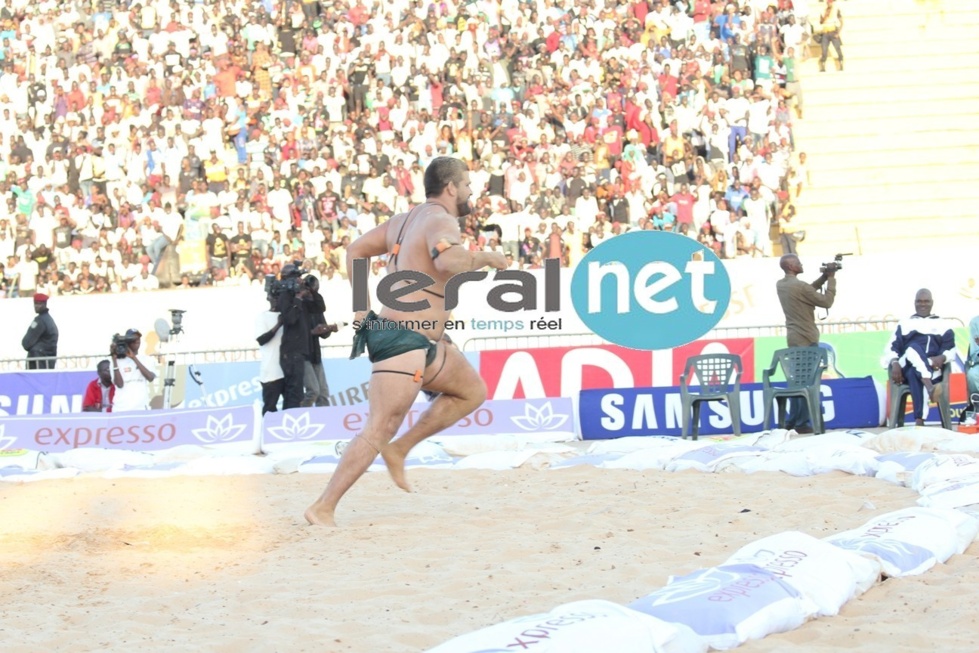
<point>120,345</point>
<point>834,265</point>
<point>288,283</point>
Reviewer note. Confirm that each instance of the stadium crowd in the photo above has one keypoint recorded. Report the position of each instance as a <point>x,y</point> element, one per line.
<point>256,133</point>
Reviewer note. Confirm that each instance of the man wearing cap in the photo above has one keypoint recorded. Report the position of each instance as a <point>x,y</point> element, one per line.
<point>131,376</point>
<point>41,339</point>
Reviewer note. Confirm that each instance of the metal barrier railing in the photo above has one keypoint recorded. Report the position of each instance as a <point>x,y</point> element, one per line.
<point>486,343</point>
<point>756,331</point>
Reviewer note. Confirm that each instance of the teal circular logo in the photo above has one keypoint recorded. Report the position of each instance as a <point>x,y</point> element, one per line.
<point>650,290</point>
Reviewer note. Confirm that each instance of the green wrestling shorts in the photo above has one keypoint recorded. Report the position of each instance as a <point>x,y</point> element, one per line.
<point>383,338</point>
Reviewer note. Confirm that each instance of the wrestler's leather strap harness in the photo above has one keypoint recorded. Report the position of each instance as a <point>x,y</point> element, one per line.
<point>417,377</point>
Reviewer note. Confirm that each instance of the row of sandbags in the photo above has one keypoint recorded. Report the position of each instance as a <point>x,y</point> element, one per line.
<point>777,583</point>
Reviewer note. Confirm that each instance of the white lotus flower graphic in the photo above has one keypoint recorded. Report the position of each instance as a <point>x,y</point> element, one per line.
<point>5,441</point>
<point>295,428</point>
<point>699,583</point>
<point>539,419</point>
<point>219,430</point>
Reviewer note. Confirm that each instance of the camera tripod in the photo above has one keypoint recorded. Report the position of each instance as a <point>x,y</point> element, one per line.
<point>170,354</point>
<point>170,376</point>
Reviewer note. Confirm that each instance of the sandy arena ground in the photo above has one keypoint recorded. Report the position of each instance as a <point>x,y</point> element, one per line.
<point>226,563</point>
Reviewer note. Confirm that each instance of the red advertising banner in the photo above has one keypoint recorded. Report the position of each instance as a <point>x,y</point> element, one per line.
<point>564,371</point>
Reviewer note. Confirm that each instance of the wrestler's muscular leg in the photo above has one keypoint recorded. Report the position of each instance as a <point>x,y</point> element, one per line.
<point>389,399</point>
<point>462,391</point>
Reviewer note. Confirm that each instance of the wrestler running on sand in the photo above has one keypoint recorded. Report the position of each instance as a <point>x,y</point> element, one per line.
<point>426,239</point>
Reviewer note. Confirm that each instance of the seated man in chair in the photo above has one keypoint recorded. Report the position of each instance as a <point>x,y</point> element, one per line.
<point>918,351</point>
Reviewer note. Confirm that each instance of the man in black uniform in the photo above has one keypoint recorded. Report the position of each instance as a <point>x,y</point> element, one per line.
<point>41,339</point>
<point>294,350</point>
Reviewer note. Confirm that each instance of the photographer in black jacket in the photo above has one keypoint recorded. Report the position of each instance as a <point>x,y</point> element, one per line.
<point>294,350</point>
<point>317,391</point>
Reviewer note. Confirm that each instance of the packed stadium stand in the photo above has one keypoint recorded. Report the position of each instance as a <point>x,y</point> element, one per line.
<point>892,142</point>
<point>258,133</point>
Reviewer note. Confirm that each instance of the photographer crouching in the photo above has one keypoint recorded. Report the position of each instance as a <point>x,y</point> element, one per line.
<point>131,376</point>
<point>314,379</point>
<point>799,301</point>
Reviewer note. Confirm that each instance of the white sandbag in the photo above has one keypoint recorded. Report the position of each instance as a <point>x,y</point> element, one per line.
<point>907,438</point>
<point>958,443</point>
<point>709,457</point>
<point>728,605</point>
<point>498,460</point>
<point>852,459</point>
<point>943,467</point>
<point>155,470</point>
<point>286,457</point>
<point>100,460</point>
<point>226,466</point>
<point>655,457</point>
<point>327,464</point>
<point>635,443</point>
<point>765,439</point>
<point>826,575</point>
<point>424,454</point>
<point>592,460</point>
<point>952,494</point>
<point>20,458</point>
<point>910,541</point>
<point>794,463</point>
<point>468,445</point>
<point>18,475</point>
<point>831,438</point>
<point>579,627</point>
<point>899,467</point>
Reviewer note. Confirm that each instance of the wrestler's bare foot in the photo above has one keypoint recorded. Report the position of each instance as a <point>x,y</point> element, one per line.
<point>319,515</point>
<point>394,458</point>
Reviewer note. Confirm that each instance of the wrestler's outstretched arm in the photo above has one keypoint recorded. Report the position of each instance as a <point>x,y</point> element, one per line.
<point>451,257</point>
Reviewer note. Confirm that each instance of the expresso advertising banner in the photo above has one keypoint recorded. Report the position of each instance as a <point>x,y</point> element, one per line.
<point>137,431</point>
<point>606,414</point>
<point>520,416</point>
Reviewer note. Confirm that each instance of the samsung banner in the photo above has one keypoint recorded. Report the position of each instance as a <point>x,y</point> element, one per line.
<point>622,412</point>
<point>137,431</point>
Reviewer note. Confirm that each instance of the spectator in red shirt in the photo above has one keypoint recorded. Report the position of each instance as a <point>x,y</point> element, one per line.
<point>101,392</point>
<point>684,201</point>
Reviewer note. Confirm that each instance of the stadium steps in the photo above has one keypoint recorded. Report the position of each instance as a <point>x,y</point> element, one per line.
<point>900,100</point>
<point>893,141</point>
<point>880,80</point>
<point>929,146</point>
<point>913,172</point>
<point>894,199</point>
<point>897,126</point>
<point>900,103</point>
<point>856,236</point>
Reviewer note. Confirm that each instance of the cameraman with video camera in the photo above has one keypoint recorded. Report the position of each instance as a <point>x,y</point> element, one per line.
<point>799,301</point>
<point>314,379</point>
<point>294,350</point>
<point>131,377</point>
